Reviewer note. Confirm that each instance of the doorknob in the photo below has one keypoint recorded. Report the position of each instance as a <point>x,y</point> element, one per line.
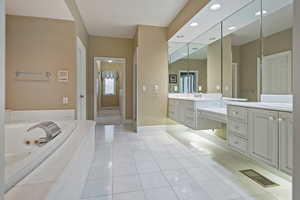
<point>81,96</point>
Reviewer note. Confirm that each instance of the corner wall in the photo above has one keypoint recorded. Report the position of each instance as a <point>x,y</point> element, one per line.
<point>2,95</point>
<point>296,83</point>
<point>152,71</point>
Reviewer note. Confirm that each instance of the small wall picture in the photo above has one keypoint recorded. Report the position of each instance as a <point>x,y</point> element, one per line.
<point>173,78</point>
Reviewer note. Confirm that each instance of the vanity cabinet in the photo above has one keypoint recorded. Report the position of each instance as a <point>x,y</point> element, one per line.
<point>183,111</point>
<point>264,136</point>
<point>286,134</point>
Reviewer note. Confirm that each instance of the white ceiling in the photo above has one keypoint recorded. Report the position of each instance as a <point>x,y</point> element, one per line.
<point>118,18</point>
<point>207,18</point>
<point>54,9</point>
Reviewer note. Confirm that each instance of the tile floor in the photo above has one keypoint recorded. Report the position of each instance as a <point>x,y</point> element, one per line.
<point>109,116</point>
<point>171,165</point>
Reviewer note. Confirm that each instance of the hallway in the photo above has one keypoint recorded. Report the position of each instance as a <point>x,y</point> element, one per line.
<point>109,116</point>
<point>171,165</point>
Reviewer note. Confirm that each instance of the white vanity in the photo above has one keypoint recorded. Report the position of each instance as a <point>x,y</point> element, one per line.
<point>262,131</point>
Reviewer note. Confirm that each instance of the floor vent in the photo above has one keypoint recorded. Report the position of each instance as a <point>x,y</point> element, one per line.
<point>258,178</point>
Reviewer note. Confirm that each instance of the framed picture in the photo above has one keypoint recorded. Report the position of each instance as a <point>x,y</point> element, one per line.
<point>173,78</point>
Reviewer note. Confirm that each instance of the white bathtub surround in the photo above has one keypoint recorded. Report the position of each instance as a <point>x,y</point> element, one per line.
<point>13,116</point>
<point>176,165</point>
<point>63,174</point>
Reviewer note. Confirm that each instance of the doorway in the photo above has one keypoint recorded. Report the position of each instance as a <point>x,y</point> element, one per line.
<point>110,90</point>
<point>81,81</point>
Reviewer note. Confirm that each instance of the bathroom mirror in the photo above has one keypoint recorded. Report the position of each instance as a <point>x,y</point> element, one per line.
<point>178,68</point>
<point>275,75</point>
<point>240,52</point>
<point>207,49</point>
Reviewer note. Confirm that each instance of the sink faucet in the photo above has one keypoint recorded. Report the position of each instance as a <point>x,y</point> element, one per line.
<point>51,129</point>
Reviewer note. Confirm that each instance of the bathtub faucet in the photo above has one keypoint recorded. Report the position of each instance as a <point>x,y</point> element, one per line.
<point>51,129</point>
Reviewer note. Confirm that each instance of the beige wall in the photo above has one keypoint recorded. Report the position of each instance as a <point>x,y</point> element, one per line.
<point>278,42</point>
<point>191,8</point>
<point>113,101</point>
<point>39,45</point>
<point>191,65</point>
<point>80,28</point>
<point>214,67</point>
<point>112,48</point>
<point>152,70</point>
<point>227,67</point>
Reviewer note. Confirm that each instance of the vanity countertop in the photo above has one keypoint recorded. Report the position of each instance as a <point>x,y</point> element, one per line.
<point>216,110</point>
<point>192,98</point>
<point>284,107</point>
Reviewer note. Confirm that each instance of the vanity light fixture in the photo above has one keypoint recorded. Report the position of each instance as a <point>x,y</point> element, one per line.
<point>215,7</point>
<point>110,61</point>
<point>258,13</point>
<point>231,28</point>
<point>194,24</point>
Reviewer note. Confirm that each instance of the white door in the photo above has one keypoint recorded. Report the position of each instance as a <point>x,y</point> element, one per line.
<point>286,134</point>
<point>264,136</point>
<point>81,81</point>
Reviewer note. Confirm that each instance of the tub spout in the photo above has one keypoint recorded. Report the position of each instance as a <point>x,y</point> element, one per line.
<point>51,129</point>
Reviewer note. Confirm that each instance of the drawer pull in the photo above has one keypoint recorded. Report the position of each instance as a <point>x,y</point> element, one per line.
<point>236,142</point>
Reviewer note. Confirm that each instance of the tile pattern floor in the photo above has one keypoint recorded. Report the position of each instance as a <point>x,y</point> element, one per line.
<point>171,165</point>
<point>109,116</point>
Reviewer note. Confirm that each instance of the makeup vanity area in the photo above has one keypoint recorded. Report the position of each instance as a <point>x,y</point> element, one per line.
<point>216,82</point>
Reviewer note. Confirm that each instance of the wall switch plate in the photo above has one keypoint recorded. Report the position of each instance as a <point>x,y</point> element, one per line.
<point>65,100</point>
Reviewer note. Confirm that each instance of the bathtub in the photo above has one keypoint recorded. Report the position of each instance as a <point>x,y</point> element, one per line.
<point>21,158</point>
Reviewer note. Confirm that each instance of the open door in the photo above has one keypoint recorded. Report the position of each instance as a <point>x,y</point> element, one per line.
<point>81,81</point>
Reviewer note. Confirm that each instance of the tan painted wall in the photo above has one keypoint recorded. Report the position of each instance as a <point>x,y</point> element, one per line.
<point>279,42</point>
<point>39,45</point>
<point>80,28</point>
<point>113,101</point>
<point>214,67</point>
<point>192,65</point>
<point>191,8</point>
<point>227,67</point>
<point>113,48</point>
<point>152,70</point>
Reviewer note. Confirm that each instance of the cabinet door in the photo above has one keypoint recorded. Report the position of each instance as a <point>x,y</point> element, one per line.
<point>264,136</point>
<point>286,133</point>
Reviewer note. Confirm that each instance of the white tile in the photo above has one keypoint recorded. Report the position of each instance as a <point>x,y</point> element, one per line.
<point>100,172</point>
<point>100,198</point>
<point>130,196</point>
<point>219,190</point>
<point>191,191</point>
<point>153,180</point>
<point>169,164</point>
<point>94,188</point>
<point>142,155</point>
<point>126,184</point>
<point>124,169</point>
<point>146,166</point>
<point>178,176</point>
<point>161,194</point>
<point>202,174</point>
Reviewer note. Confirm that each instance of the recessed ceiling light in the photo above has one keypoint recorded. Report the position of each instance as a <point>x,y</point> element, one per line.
<point>193,24</point>
<point>215,6</point>
<point>110,61</point>
<point>231,28</point>
<point>180,36</point>
<point>258,13</point>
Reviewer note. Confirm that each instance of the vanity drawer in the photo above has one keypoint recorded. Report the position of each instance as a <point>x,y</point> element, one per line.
<point>238,113</point>
<point>238,128</point>
<point>239,144</point>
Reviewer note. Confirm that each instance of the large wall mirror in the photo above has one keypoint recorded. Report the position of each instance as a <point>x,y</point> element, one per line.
<point>247,54</point>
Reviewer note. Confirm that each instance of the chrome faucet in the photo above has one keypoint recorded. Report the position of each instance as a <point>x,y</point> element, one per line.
<point>51,129</point>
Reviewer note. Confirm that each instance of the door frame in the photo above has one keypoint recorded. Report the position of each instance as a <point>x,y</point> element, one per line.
<point>2,96</point>
<point>95,96</point>
<point>80,81</point>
